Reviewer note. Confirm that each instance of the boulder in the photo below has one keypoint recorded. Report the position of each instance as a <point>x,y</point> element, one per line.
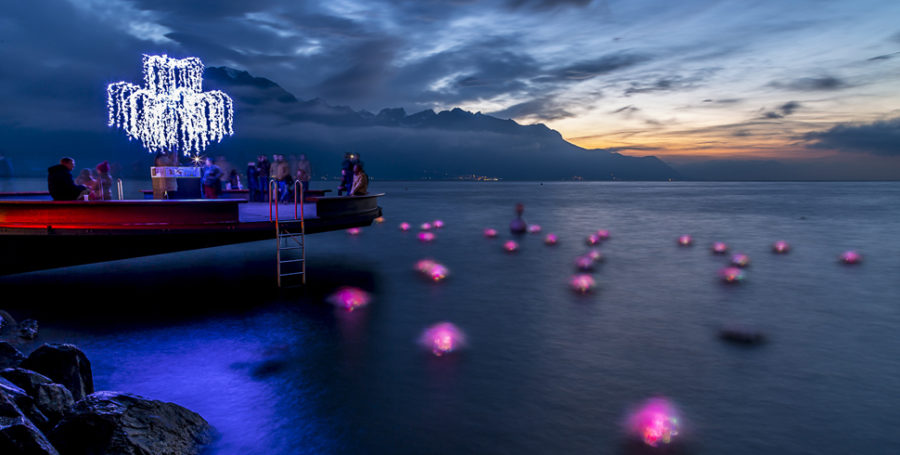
<point>64,364</point>
<point>53,400</point>
<point>28,329</point>
<point>18,436</point>
<point>6,321</point>
<point>14,401</point>
<point>10,357</point>
<point>125,424</point>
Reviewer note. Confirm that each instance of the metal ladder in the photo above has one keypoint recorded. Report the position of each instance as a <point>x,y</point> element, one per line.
<point>290,251</point>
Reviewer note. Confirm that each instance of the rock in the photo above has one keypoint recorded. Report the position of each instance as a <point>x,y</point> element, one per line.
<point>125,424</point>
<point>15,401</point>
<point>64,364</point>
<point>28,329</point>
<point>18,436</point>
<point>53,400</point>
<point>10,357</point>
<point>6,321</point>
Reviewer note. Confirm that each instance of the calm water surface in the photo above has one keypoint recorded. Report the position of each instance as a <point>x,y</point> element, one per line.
<point>547,371</point>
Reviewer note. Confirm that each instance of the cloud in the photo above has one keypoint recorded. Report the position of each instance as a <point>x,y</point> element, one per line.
<point>809,84</point>
<point>589,69</point>
<point>782,111</point>
<point>546,4</point>
<point>544,108</point>
<point>877,138</point>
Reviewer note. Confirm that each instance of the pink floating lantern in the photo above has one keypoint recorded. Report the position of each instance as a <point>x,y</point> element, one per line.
<point>595,255</point>
<point>425,226</point>
<point>850,257</point>
<point>442,338</point>
<point>781,247</point>
<point>404,226</point>
<point>425,265</point>
<point>551,239</point>
<point>426,236</point>
<point>583,283</point>
<point>740,260</point>
<point>719,248</point>
<point>731,275</point>
<point>349,298</point>
<point>603,234</point>
<point>685,240</point>
<point>655,422</point>
<point>592,239</point>
<point>437,224</point>
<point>433,270</point>
<point>490,233</point>
<point>511,246</point>
<point>353,231</point>
<point>534,229</point>
<point>584,263</point>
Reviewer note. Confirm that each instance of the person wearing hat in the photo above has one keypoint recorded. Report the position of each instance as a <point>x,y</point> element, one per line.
<point>104,182</point>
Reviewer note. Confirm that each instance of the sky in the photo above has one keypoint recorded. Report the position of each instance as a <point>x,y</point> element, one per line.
<point>682,80</point>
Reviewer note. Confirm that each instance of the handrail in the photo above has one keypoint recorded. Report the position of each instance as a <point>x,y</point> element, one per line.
<point>275,182</point>
<point>120,187</point>
<point>302,197</point>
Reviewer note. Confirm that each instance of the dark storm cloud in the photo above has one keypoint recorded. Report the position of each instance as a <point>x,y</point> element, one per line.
<point>589,69</point>
<point>365,76</point>
<point>877,138</point>
<point>782,111</point>
<point>809,84</point>
<point>545,4</point>
<point>204,8</point>
<point>546,108</point>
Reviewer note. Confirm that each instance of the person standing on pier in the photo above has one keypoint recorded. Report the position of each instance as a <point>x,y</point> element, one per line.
<point>60,183</point>
<point>104,182</point>
<point>263,167</point>
<point>212,179</point>
<point>304,172</point>
<point>281,172</point>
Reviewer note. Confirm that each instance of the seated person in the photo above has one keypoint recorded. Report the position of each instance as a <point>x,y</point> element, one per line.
<point>360,181</point>
<point>60,183</point>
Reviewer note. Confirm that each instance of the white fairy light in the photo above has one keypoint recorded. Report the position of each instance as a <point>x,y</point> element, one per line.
<point>171,111</point>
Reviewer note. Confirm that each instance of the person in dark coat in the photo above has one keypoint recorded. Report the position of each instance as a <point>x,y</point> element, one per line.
<point>346,174</point>
<point>212,179</point>
<point>60,183</point>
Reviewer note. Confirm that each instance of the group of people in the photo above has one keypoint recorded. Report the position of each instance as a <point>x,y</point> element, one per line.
<point>354,180</point>
<point>94,185</point>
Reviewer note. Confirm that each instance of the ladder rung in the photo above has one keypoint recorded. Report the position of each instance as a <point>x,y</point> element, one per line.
<point>292,274</point>
<point>292,260</point>
<point>291,248</point>
<point>290,235</point>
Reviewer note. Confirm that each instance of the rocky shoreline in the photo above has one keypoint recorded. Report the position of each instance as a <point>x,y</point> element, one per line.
<point>48,406</point>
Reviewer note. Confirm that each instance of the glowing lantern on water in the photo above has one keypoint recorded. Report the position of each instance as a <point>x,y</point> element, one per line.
<point>603,234</point>
<point>353,231</point>
<point>740,260</point>
<point>719,248</point>
<point>781,247</point>
<point>425,265</point>
<point>426,236</point>
<point>731,275</point>
<point>595,255</point>
<point>655,422</point>
<point>425,226</point>
<point>850,257</point>
<point>584,263</point>
<point>583,283</point>
<point>379,220</point>
<point>349,298</point>
<point>551,239</point>
<point>685,240</point>
<point>404,226</point>
<point>490,233</point>
<point>534,229</point>
<point>592,239</point>
<point>443,338</point>
<point>437,224</point>
<point>432,270</point>
<point>511,246</point>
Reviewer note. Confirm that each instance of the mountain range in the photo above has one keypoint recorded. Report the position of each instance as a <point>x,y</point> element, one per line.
<point>397,145</point>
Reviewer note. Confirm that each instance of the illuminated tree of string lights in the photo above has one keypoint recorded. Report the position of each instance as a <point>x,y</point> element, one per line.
<point>171,112</point>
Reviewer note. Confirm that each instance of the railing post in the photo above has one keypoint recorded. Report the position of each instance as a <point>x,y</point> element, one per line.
<point>120,187</point>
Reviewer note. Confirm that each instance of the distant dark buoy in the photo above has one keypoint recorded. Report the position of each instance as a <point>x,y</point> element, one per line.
<point>518,225</point>
<point>741,335</point>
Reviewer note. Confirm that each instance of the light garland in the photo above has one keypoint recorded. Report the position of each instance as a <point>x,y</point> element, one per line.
<point>171,111</point>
